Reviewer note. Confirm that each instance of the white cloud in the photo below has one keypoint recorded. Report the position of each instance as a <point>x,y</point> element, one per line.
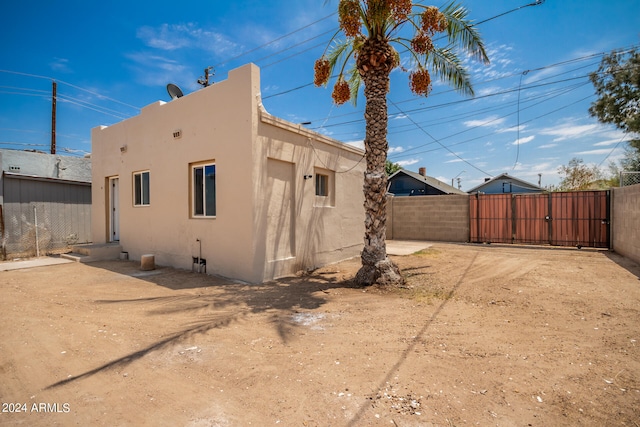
<point>570,131</point>
<point>597,152</point>
<point>512,129</point>
<point>409,162</point>
<point>399,116</point>
<point>486,122</point>
<point>548,146</point>
<point>357,144</point>
<point>61,65</point>
<point>180,36</point>
<point>500,65</point>
<point>523,140</point>
<point>395,150</point>
<point>156,70</point>
<point>607,143</point>
<point>490,90</point>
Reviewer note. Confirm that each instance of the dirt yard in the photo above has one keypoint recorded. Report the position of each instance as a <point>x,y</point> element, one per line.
<point>482,335</point>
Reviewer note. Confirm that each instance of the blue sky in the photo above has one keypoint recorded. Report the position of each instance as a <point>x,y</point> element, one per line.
<point>110,59</point>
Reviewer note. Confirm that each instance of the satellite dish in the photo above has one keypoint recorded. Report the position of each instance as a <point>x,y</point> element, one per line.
<point>174,91</point>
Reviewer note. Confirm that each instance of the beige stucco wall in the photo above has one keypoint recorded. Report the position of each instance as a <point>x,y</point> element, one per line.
<point>324,229</point>
<point>625,221</point>
<point>436,218</point>
<point>226,123</point>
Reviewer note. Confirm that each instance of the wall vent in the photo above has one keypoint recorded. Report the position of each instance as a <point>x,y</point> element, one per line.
<point>177,134</point>
<point>14,168</point>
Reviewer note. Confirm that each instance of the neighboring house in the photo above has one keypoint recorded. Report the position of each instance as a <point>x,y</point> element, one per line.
<point>49,190</point>
<point>212,175</point>
<point>406,183</point>
<point>505,183</point>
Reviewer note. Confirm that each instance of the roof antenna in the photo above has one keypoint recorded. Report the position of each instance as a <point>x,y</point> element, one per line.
<point>204,81</point>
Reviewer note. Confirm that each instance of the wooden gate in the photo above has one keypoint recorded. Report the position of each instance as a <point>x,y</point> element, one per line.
<point>579,218</point>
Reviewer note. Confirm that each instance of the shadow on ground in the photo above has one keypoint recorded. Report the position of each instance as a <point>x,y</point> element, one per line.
<point>213,302</point>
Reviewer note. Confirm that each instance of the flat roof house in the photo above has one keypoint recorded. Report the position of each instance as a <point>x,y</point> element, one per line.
<point>213,175</point>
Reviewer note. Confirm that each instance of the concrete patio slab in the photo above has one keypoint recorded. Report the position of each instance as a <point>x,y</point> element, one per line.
<point>34,262</point>
<point>406,247</point>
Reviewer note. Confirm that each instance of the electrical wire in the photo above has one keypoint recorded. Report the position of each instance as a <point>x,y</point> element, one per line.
<point>624,137</point>
<point>273,41</point>
<point>438,141</point>
<point>518,122</point>
<point>493,133</point>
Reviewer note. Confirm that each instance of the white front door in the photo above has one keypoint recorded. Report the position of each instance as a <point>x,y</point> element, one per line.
<point>114,210</point>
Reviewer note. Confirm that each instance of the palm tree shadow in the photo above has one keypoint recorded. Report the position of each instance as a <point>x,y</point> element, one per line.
<point>221,303</point>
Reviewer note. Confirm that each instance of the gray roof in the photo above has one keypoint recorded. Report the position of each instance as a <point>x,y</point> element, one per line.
<point>43,165</point>
<point>435,183</point>
<point>506,176</point>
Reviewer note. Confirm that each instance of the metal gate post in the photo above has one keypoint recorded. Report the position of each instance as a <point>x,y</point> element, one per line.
<point>514,216</point>
<point>608,220</point>
<point>549,219</point>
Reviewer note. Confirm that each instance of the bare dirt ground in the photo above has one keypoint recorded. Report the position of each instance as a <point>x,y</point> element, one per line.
<point>481,335</point>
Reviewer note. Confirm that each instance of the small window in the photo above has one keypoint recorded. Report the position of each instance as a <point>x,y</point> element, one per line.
<point>322,185</point>
<point>203,190</point>
<point>141,189</point>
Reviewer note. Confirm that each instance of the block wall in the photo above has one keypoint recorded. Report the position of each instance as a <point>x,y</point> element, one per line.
<point>625,221</point>
<point>434,218</point>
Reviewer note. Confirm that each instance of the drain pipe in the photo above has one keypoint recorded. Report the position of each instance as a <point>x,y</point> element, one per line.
<point>199,253</point>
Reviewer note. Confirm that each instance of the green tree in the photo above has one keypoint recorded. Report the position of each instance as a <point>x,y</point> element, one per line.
<point>391,168</point>
<point>367,55</point>
<point>577,176</point>
<point>617,85</point>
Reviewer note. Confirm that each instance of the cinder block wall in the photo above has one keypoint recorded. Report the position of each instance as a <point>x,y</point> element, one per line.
<point>435,218</point>
<point>625,221</point>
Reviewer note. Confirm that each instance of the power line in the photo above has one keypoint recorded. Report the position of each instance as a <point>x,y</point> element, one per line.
<point>438,141</point>
<point>518,123</point>
<point>71,85</point>
<point>462,101</point>
<point>492,133</point>
<point>273,41</point>
<point>613,149</point>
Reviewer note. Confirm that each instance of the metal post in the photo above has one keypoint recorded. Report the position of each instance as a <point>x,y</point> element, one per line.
<point>53,117</point>
<point>35,221</point>
<point>199,254</point>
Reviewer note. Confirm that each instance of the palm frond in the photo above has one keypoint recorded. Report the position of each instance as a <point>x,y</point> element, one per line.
<point>339,55</point>
<point>462,33</point>
<point>355,81</point>
<point>448,67</point>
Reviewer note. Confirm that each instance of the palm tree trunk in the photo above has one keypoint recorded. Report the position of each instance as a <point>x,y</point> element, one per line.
<point>375,64</point>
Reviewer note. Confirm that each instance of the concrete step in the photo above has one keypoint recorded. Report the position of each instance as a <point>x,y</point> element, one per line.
<point>73,256</point>
<point>95,252</point>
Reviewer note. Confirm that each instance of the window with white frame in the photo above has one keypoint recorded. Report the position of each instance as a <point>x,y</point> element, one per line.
<point>203,190</point>
<point>141,188</point>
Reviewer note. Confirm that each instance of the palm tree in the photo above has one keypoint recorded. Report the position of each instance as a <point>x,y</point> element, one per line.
<point>372,29</point>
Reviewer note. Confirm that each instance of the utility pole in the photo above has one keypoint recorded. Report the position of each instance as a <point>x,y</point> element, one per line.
<point>53,116</point>
<point>204,81</point>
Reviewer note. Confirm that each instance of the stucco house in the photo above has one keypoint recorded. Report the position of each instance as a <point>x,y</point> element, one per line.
<point>45,202</point>
<point>407,183</point>
<point>212,175</point>
<point>505,183</point>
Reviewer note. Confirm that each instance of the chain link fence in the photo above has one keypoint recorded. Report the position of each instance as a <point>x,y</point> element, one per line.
<point>629,178</point>
<point>37,229</point>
